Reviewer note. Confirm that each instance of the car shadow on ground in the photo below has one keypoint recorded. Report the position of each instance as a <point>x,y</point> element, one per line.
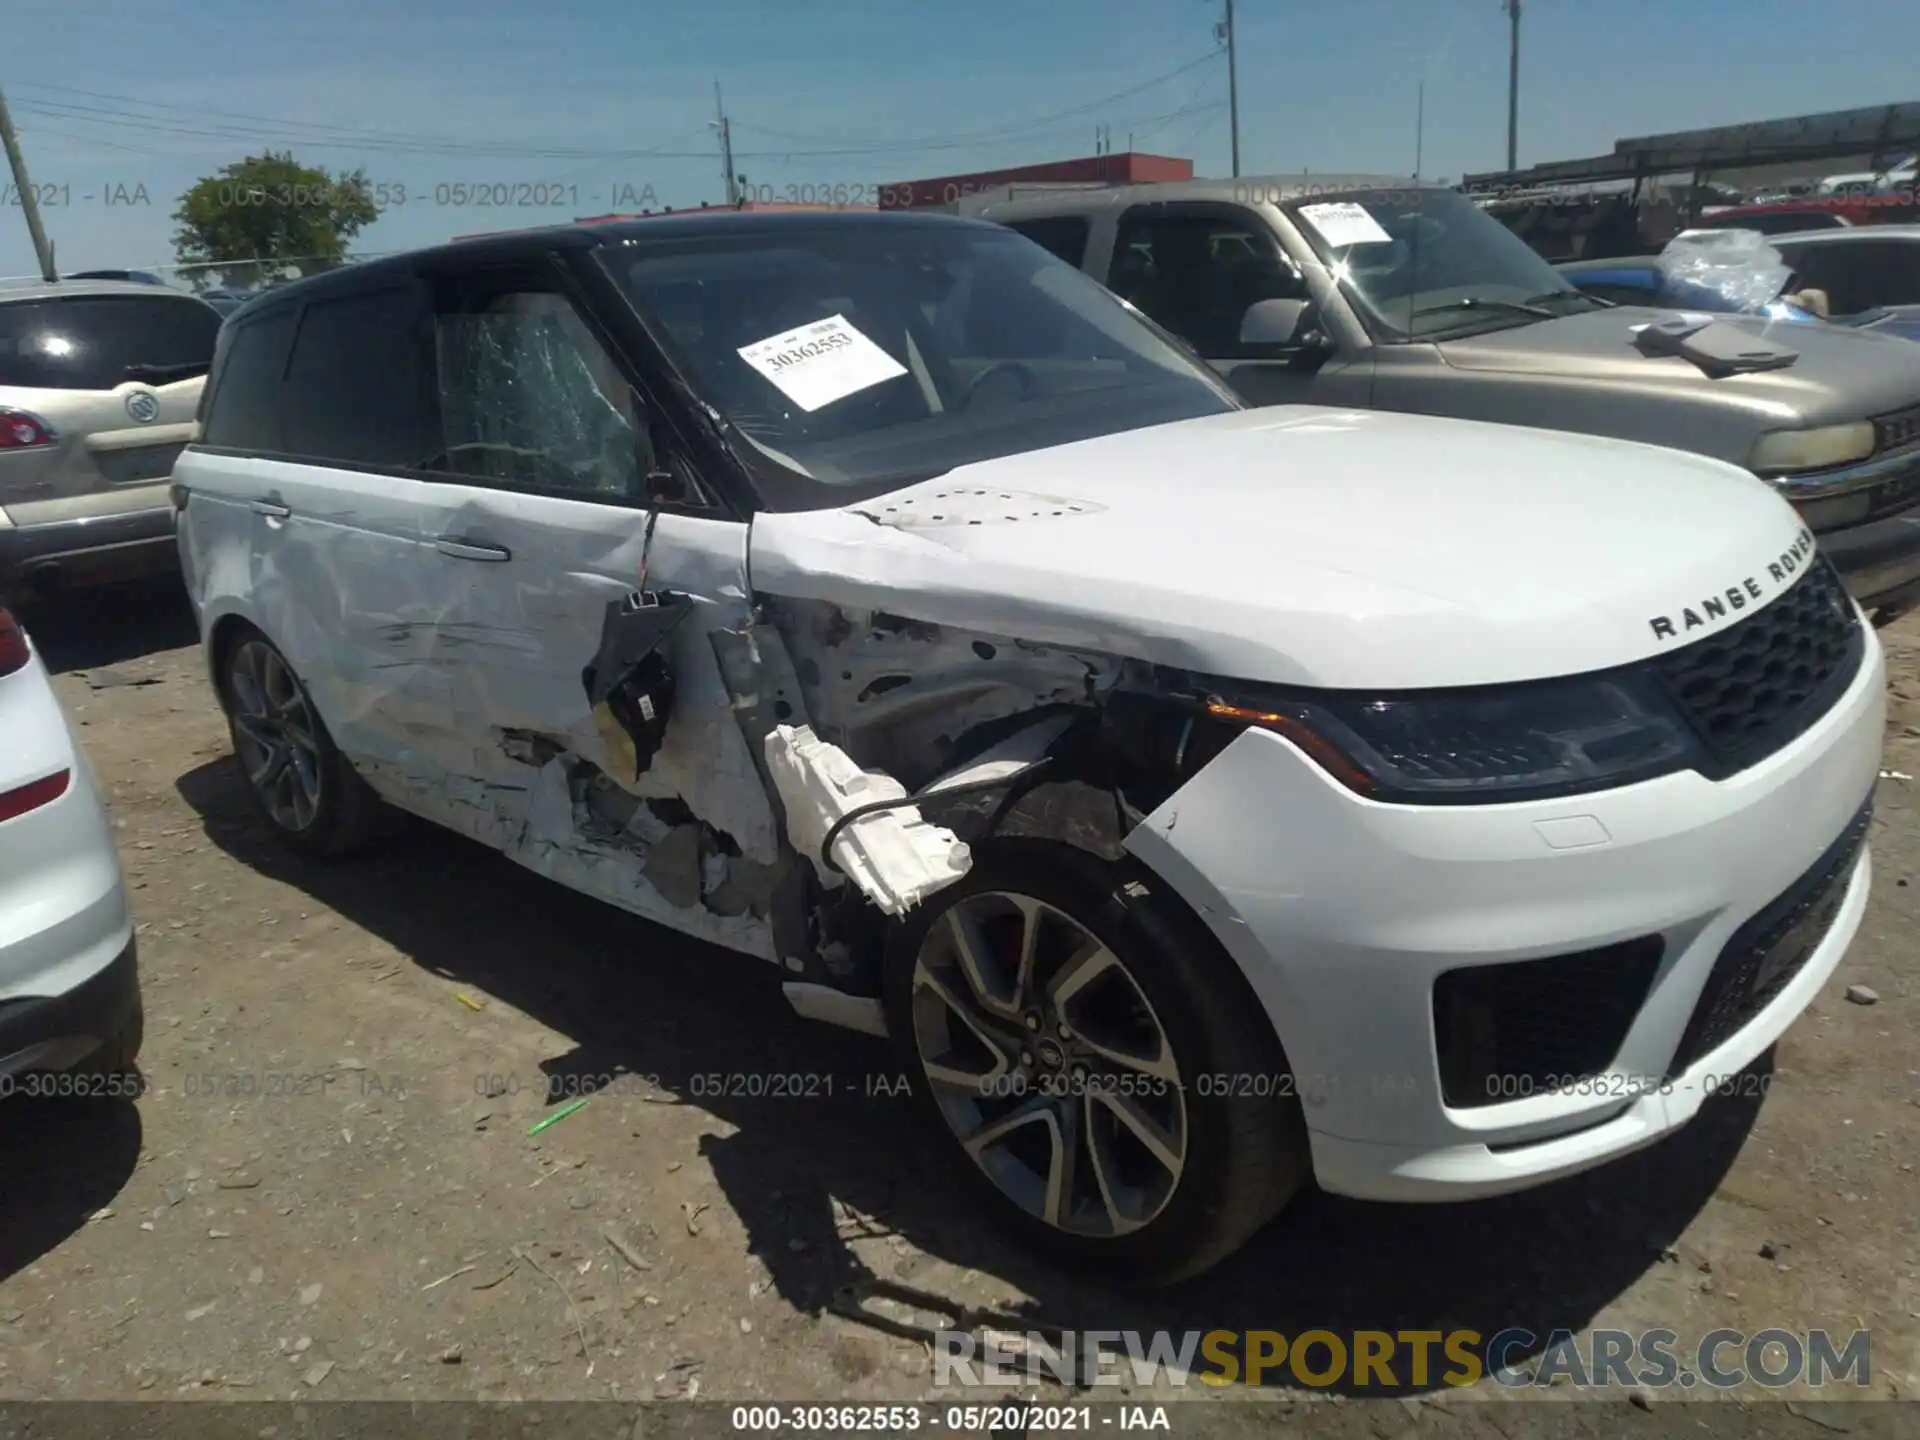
<point>87,629</point>
<point>803,1172</point>
<point>61,1160</point>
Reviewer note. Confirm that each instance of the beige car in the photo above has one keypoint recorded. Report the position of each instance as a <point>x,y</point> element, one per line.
<point>99,385</point>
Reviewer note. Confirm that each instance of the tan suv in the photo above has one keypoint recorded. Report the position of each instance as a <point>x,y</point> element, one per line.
<point>99,384</point>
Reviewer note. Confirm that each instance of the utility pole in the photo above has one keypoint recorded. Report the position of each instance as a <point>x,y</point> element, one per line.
<point>29,202</point>
<point>1512,8</point>
<point>1419,127</point>
<point>1224,32</point>
<point>726,145</point>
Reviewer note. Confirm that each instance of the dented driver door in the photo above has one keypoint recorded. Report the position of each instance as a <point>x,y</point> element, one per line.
<point>548,519</point>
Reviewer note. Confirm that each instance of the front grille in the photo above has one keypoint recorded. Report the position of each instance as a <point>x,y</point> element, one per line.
<point>1528,1027</point>
<point>1891,432</point>
<point>1764,954</point>
<point>1762,681</point>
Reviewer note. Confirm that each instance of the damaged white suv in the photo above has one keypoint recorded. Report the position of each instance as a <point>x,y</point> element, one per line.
<point>1203,799</point>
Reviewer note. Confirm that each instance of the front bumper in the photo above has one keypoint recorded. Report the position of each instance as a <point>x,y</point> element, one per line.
<point>1343,913</point>
<point>1879,555</point>
<point>56,1032</point>
<point>1880,560</point>
<point>88,549</point>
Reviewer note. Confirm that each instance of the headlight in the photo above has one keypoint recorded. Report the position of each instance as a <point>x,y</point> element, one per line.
<point>1520,742</point>
<point>1783,452</point>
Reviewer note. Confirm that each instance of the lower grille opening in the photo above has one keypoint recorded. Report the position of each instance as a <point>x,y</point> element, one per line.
<point>1530,1027</point>
<point>1764,955</point>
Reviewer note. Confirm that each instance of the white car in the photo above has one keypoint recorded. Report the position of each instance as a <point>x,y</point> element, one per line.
<point>70,1014</point>
<point>1202,799</point>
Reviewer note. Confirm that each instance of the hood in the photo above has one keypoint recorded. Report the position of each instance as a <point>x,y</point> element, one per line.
<point>1841,374</point>
<point>1898,320</point>
<point>1311,546</point>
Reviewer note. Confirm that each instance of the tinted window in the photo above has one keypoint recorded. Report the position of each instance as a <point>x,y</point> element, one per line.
<point>853,358</point>
<point>1859,274</point>
<point>529,397</point>
<point>1064,236</point>
<point>360,385</point>
<point>1197,274</point>
<point>91,342</point>
<point>243,402</point>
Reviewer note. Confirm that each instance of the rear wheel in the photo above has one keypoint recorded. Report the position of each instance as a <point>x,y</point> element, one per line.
<point>300,782</point>
<point>1070,1029</point>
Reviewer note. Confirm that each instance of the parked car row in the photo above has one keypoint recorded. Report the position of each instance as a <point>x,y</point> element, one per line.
<point>1865,276</point>
<point>1202,798</point>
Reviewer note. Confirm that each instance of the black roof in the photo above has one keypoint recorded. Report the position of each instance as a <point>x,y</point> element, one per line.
<point>517,244</point>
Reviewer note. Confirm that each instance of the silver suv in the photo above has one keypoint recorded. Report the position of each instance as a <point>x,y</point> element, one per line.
<point>1374,292</point>
<point>99,384</point>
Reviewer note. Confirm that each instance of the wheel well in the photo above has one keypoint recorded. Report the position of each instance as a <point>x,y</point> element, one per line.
<point>228,631</point>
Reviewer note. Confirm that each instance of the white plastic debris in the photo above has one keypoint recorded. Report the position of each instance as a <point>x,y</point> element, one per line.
<point>1895,775</point>
<point>894,856</point>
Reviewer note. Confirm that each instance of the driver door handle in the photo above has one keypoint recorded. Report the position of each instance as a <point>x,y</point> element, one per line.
<point>272,509</point>
<point>461,548</point>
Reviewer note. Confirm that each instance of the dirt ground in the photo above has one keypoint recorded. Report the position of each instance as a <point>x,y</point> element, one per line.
<point>329,1190</point>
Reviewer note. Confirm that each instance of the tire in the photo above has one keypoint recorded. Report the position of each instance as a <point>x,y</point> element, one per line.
<point>108,1071</point>
<point>300,783</point>
<point>120,1054</point>
<point>117,1058</point>
<point>1151,984</point>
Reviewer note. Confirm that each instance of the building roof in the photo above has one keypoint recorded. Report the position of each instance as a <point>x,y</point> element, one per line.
<point>1829,135</point>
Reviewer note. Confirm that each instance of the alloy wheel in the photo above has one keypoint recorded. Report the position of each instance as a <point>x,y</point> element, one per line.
<point>1049,1064</point>
<point>276,735</point>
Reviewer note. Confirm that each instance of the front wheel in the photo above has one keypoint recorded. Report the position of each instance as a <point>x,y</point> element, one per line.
<point>1069,1026</point>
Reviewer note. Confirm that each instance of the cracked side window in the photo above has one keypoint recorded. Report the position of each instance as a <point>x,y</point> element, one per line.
<point>531,400</point>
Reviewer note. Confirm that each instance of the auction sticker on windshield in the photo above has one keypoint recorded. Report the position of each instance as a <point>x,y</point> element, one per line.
<point>820,363</point>
<point>1345,223</point>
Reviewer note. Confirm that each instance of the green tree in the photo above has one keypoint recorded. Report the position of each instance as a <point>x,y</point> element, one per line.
<point>268,214</point>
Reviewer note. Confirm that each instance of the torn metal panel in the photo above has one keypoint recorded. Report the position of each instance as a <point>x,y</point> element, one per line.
<point>893,856</point>
<point>1017,753</point>
<point>900,694</point>
<point>554,840</point>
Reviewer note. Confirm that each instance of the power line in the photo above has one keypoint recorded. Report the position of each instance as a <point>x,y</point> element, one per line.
<point>310,126</point>
<point>322,135</point>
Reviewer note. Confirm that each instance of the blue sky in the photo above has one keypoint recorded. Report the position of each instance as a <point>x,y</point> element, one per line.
<point>133,103</point>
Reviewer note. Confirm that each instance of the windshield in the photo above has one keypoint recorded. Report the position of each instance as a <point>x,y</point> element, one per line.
<point>855,358</point>
<point>95,342</point>
<point>1428,264</point>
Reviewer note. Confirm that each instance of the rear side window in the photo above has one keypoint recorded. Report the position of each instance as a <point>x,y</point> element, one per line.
<point>1197,273</point>
<point>96,342</point>
<point>243,401</point>
<point>1858,274</point>
<point>359,387</point>
<point>1064,235</point>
